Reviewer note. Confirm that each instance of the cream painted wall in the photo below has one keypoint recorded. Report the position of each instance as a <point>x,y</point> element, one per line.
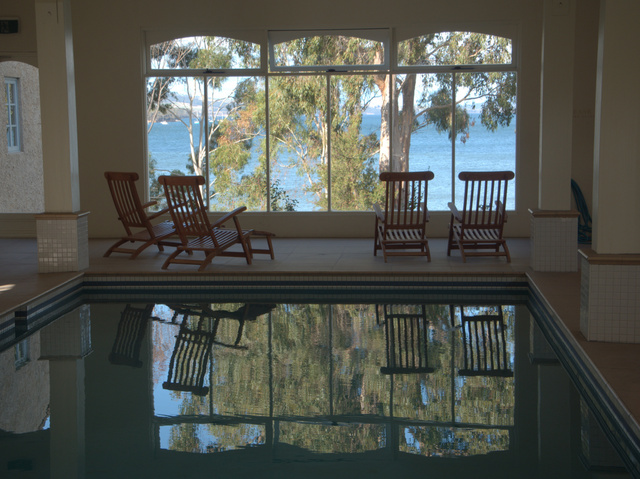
<point>584,96</point>
<point>617,142</point>
<point>108,50</point>
<point>108,55</point>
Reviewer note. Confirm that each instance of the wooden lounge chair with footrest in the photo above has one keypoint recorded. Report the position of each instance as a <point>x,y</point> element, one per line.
<point>197,233</point>
<point>133,215</point>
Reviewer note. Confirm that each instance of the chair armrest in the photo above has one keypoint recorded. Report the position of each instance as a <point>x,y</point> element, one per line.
<point>501,209</point>
<point>228,216</point>
<point>378,211</point>
<point>454,211</point>
<point>155,214</point>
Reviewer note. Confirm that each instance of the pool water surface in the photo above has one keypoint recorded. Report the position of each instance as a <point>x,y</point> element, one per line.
<point>328,388</point>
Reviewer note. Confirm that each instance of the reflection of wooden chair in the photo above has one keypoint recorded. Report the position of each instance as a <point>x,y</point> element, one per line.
<point>247,312</point>
<point>480,224</point>
<point>133,215</point>
<point>402,224</point>
<point>406,336</point>
<point>190,358</point>
<point>484,342</point>
<point>197,335</point>
<point>194,229</point>
<point>131,331</point>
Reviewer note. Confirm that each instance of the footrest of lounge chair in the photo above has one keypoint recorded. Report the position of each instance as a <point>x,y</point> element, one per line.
<point>266,235</point>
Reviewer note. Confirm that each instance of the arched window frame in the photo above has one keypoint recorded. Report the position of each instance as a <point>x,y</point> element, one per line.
<point>382,35</point>
<point>508,32</point>
<point>255,37</point>
<point>267,39</point>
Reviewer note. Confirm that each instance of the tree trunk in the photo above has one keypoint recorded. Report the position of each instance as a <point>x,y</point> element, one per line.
<point>395,157</point>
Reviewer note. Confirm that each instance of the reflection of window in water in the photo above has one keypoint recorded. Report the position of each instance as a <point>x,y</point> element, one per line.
<point>22,353</point>
<point>316,378</point>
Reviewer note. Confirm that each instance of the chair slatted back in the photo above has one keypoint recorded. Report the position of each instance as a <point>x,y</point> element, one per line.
<point>406,334</point>
<point>406,199</point>
<point>184,198</point>
<point>485,197</point>
<point>131,330</point>
<point>190,358</point>
<point>125,196</point>
<point>484,343</point>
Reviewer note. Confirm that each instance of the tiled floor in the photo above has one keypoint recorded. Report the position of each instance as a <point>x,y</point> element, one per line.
<point>619,364</point>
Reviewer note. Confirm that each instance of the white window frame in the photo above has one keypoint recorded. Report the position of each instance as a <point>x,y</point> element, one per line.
<point>14,141</point>
<point>389,37</point>
<point>382,35</point>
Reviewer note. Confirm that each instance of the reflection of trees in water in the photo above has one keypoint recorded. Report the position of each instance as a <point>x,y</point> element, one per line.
<point>322,363</point>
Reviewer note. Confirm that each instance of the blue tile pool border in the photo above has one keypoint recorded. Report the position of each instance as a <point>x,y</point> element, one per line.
<point>615,420</point>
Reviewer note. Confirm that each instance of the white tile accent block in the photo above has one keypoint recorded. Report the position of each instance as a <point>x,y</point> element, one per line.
<point>610,302</point>
<point>63,242</point>
<point>554,243</point>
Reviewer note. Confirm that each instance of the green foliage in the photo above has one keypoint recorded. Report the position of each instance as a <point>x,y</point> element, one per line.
<point>280,201</point>
<point>315,369</point>
<point>317,118</point>
<point>155,190</point>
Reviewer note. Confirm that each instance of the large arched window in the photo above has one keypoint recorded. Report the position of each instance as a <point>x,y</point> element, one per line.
<point>309,120</point>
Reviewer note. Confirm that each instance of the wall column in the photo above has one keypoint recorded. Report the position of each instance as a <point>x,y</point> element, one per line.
<point>59,143</point>
<point>553,226</point>
<point>610,285</point>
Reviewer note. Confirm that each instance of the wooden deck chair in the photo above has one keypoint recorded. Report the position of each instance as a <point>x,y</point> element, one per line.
<point>131,330</point>
<point>134,217</point>
<point>194,229</point>
<point>190,358</point>
<point>401,228</point>
<point>406,332</point>
<point>480,224</point>
<point>483,341</point>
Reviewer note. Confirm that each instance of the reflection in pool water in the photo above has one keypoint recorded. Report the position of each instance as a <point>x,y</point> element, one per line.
<point>285,390</point>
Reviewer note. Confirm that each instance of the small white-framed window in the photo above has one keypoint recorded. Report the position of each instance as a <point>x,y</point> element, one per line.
<point>209,55</point>
<point>22,353</point>
<point>329,50</point>
<point>12,101</point>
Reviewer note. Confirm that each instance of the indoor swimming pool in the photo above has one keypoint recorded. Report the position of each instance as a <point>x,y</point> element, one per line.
<point>239,386</point>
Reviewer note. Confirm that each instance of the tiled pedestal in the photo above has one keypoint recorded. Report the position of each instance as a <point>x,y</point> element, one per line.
<point>63,242</point>
<point>554,240</point>
<point>610,297</point>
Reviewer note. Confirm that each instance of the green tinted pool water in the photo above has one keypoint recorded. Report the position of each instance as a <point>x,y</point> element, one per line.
<point>259,389</point>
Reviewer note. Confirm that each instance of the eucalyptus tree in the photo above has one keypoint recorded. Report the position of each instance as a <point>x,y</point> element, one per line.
<point>315,120</point>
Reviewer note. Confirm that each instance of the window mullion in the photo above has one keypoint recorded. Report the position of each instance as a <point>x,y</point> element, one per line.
<point>267,141</point>
<point>205,107</point>
<point>329,135</point>
<point>453,137</point>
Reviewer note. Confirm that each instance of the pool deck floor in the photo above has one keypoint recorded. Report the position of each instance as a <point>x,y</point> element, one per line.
<point>619,364</point>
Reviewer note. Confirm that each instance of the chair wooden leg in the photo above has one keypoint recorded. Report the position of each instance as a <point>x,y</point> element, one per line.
<point>450,238</point>
<point>246,247</point>
<point>506,250</point>
<point>207,261</point>
<point>141,249</point>
<point>110,250</point>
<point>170,258</point>
<point>375,239</point>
